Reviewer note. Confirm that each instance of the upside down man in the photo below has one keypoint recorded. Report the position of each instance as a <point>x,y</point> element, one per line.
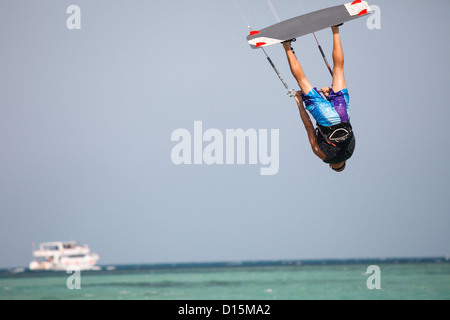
<point>333,140</point>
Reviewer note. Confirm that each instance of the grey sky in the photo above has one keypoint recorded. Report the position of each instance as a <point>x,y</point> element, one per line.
<point>86,118</point>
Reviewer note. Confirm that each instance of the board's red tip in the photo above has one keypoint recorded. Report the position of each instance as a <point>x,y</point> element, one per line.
<point>356,1</point>
<point>260,44</point>
<point>362,12</point>
<point>254,32</point>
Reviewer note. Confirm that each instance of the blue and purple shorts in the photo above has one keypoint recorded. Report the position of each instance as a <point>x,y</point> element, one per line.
<point>328,112</point>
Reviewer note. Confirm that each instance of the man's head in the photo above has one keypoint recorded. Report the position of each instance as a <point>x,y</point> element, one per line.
<point>338,167</point>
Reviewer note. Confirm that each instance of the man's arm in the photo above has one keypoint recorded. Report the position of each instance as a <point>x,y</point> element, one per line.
<point>309,128</point>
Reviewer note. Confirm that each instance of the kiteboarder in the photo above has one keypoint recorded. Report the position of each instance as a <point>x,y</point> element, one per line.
<point>333,140</point>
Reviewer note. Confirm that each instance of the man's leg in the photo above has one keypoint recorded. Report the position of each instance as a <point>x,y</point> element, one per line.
<point>338,60</point>
<point>296,69</point>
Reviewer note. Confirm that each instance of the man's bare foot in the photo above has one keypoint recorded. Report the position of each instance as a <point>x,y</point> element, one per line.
<point>335,28</point>
<point>287,45</point>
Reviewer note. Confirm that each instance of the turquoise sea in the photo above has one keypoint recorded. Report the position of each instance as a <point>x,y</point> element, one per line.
<point>399,279</point>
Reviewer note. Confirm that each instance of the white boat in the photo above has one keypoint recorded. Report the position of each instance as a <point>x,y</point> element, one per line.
<point>60,255</point>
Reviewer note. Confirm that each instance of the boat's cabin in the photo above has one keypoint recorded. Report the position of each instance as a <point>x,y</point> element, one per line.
<point>55,246</point>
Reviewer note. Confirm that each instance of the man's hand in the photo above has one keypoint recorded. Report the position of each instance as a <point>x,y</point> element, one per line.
<point>325,91</point>
<point>298,97</point>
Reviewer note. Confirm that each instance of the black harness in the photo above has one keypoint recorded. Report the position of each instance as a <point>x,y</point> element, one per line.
<point>337,142</point>
<point>336,135</point>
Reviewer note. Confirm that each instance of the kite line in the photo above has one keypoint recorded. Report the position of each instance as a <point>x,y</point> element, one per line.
<point>291,92</point>
<point>318,44</point>
<point>314,34</point>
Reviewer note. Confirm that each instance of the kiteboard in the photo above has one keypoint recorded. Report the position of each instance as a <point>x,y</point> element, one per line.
<point>308,23</point>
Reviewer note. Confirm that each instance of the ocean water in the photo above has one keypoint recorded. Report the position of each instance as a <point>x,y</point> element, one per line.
<point>294,280</point>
